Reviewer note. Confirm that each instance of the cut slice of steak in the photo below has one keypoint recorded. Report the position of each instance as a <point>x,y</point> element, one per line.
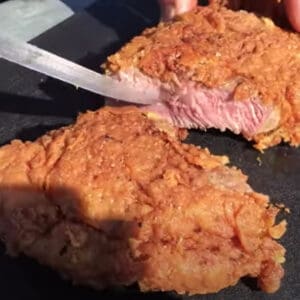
<point>218,68</point>
<point>117,198</point>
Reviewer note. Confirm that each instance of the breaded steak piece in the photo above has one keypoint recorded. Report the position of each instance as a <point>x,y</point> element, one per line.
<point>216,68</point>
<point>117,198</point>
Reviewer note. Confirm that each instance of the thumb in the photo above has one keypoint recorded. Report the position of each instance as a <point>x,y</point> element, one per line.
<point>292,8</point>
<point>171,8</point>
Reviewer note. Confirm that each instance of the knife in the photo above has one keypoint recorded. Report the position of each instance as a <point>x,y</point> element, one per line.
<point>42,61</point>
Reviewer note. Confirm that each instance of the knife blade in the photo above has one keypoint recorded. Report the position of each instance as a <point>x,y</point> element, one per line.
<point>52,65</point>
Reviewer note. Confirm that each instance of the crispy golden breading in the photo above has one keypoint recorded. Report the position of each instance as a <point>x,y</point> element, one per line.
<point>217,47</point>
<point>117,198</point>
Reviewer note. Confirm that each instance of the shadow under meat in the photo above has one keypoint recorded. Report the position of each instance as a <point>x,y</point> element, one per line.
<point>251,283</point>
<point>33,133</point>
<point>66,102</point>
<point>48,226</point>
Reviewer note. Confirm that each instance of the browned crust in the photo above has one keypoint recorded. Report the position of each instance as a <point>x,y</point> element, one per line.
<point>215,46</point>
<point>117,198</point>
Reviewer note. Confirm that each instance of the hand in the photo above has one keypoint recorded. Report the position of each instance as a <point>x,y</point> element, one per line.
<point>292,8</point>
<point>171,8</point>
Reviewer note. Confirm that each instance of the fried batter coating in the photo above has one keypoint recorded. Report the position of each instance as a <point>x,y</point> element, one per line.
<point>217,48</point>
<point>116,198</point>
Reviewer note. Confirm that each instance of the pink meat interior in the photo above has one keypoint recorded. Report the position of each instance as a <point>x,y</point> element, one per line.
<point>194,106</point>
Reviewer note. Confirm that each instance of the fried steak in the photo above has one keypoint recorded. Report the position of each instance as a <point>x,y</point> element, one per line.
<point>217,68</point>
<point>117,198</point>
